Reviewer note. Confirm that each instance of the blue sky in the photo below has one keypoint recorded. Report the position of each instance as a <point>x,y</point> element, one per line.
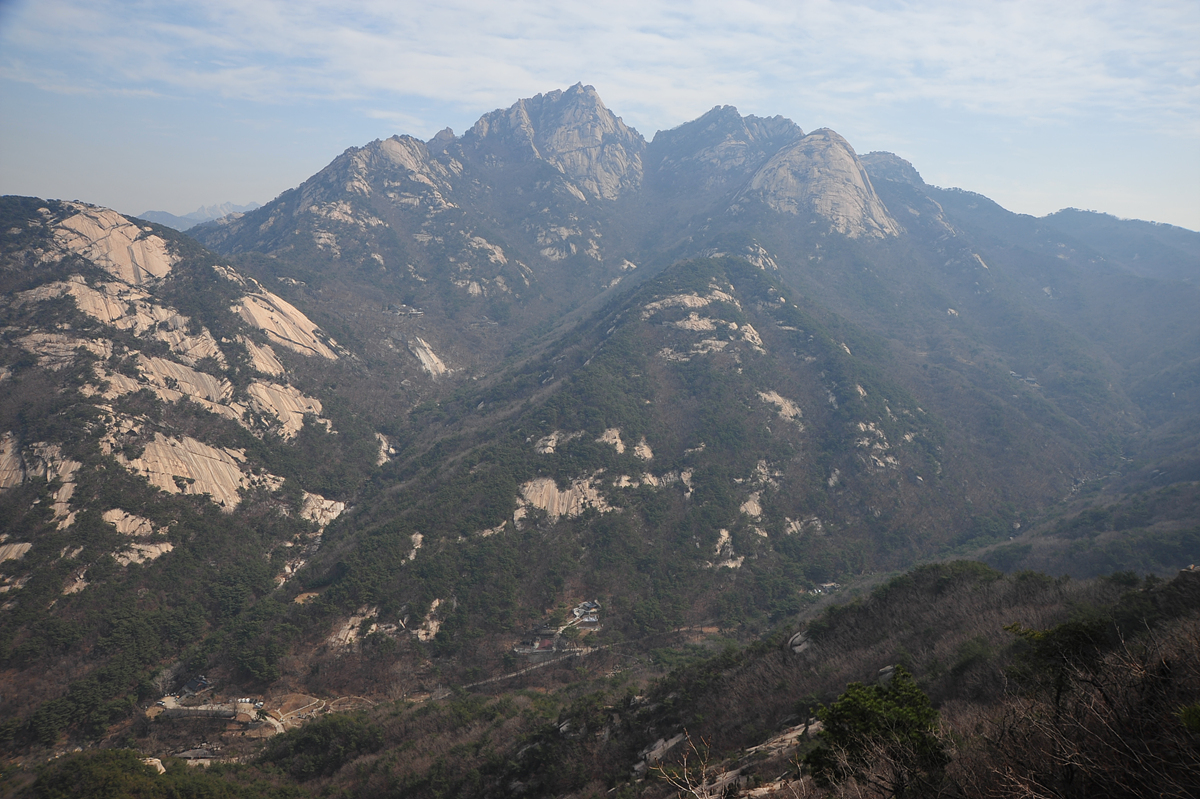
<point>143,105</point>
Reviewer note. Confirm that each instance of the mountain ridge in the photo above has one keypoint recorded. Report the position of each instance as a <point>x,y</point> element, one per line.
<point>413,411</point>
<point>205,213</point>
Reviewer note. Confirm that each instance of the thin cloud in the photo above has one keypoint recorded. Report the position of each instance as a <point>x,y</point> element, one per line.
<point>951,85</point>
<point>1004,58</point>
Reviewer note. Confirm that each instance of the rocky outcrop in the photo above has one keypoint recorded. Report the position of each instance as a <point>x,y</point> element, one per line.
<point>14,551</point>
<point>386,450</point>
<point>543,493</point>
<point>286,404</point>
<point>125,250</point>
<point>263,358</point>
<point>282,323</point>
<point>548,444</point>
<point>130,308</point>
<point>430,362</point>
<point>142,553</point>
<point>57,350</point>
<point>723,550</point>
<point>172,382</point>
<point>187,466</point>
<point>184,380</point>
<point>128,523</point>
<point>752,507</point>
<point>612,436</point>
<point>47,462</point>
<point>12,466</point>
<point>320,510</point>
<point>821,175</point>
<point>693,300</point>
<point>888,166</point>
<point>787,409</point>
<point>570,130</point>
<point>717,152</point>
<point>430,624</point>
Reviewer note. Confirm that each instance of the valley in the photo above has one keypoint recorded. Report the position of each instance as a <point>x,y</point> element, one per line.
<point>513,462</point>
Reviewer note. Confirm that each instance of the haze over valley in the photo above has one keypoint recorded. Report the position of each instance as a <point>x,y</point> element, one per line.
<point>549,458</point>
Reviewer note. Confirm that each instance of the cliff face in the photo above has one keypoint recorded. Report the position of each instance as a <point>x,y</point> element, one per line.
<point>821,174</point>
<point>128,382</point>
<point>717,152</point>
<point>129,253</point>
<point>572,131</point>
<point>700,376</point>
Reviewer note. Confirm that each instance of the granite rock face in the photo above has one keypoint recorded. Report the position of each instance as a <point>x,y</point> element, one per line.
<point>717,151</point>
<point>571,130</point>
<point>821,174</point>
<point>116,244</point>
<point>889,166</point>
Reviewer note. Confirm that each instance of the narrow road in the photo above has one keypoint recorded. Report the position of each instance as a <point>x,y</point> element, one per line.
<point>576,653</point>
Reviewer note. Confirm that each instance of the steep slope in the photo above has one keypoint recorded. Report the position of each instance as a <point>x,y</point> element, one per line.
<point>709,449</point>
<point>430,232</point>
<point>158,471</point>
<point>820,174</point>
<point>201,215</point>
<point>1146,249</point>
<point>573,132</point>
<point>1022,396</point>
<point>443,394</point>
<point>713,155</point>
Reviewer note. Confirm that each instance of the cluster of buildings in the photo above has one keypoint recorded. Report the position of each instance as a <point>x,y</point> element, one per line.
<point>585,617</point>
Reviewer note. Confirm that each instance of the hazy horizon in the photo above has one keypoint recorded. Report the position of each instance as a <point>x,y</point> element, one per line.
<point>172,106</point>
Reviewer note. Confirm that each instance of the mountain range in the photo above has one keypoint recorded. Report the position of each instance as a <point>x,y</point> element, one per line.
<point>205,213</point>
<point>382,435</point>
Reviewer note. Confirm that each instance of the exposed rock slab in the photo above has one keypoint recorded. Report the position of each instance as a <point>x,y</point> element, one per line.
<point>12,465</point>
<point>320,510</point>
<point>14,551</point>
<point>724,550</point>
<point>285,403</point>
<point>263,358</point>
<point>692,300</point>
<point>571,130</point>
<point>57,350</point>
<point>613,436</point>
<point>47,461</point>
<point>130,308</point>
<point>821,174</point>
<point>143,553</point>
<point>128,523</point>
<point>430,362</point>
<point>386,450</point>
<point>544,493</point>
<point>126,251</point>
<point>283,323</point>
<point>787,408</point>
<point>184,379</point>
<point>188,466</point>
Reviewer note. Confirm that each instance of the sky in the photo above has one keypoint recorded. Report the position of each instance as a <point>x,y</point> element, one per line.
<point>151,105</point>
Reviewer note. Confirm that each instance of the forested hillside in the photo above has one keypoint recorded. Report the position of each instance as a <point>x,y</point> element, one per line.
<point>479,465</point>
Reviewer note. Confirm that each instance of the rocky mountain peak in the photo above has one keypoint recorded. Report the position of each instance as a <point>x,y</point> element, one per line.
<point>889,166</point>
<point>571,130</point>
<point>441,140</point>
<point>820,173</point>
<point>719,148</point>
